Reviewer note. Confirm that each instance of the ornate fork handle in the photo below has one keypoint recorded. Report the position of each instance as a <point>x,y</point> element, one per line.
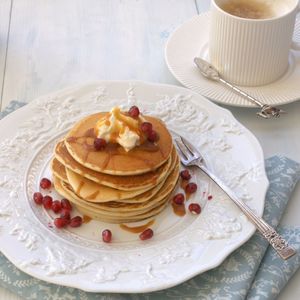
<point>269,233</point>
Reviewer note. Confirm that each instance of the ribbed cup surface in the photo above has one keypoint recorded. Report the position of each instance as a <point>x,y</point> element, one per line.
<point>250,52</point>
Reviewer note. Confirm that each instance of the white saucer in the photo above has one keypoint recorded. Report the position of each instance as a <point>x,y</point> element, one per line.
<point>191,39</point>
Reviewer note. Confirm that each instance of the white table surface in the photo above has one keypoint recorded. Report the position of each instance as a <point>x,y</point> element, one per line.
<point>50,44</point>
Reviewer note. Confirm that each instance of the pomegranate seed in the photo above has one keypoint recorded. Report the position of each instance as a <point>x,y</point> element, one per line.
<point>60,222</point>
<point>45,183</point>
<point>47,202</point>
<point>191,188</point>
<point>56,206</point>
<point>195,208</point>
<point>76,221</point>
<point>146,127</point>
<point>146,234</point>
<point>65,203</point>
<point>65,214</point>
<point>209,197</point>
<point>178,199</point>
<point>99,144</point>
<point>106,236</point>
<point>38,198</point>
<point>134,112</point>
<point>185,175</point>
<point>152,136</point>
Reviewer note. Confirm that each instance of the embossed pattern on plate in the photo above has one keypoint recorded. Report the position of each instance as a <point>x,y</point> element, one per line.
<point>181,248</point>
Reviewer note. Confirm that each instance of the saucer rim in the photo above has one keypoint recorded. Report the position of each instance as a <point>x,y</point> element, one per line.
<point>240,102</point>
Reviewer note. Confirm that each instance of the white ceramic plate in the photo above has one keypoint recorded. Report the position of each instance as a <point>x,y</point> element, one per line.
<point>181,248</point>
<point>191,39</point>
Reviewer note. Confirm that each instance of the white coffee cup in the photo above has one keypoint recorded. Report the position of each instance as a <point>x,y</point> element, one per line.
<point>252,52</point>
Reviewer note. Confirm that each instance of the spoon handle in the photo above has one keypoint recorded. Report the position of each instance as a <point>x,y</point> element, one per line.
<point>239,91</point>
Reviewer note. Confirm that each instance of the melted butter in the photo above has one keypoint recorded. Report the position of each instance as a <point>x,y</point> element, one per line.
<point>118,127</point>
<point>137,229</point>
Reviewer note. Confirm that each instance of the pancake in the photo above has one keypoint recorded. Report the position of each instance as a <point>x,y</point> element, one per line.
<point>59,171</point>
<point>114,159</point>
<point>120,215</point>
<point>119,220</point>
<point>125,183</point>
<point>94,192</point>
<point>105,216</point>
<point>109,183</point>
<point>119,209</point>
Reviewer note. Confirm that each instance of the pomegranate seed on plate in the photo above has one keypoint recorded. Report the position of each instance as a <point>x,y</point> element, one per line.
<point>56,206</point>
<point>185,174</point>
<point>195,208</point>
<point>152,136</point>
<point>191,188</point>
<point>38,198</point>
<point>134,112</point>
<point>106,236</point>
<point>209,197</point>
<point>76,221</point>
<point>47,202</point>
<point>178,199</point>
<point>99,144</point>
<point>146,127</point>
<point>146,234</point>
<point>65,214</point>
<point>45,183</point>
<point>60,222</point>
<point>65,203</point>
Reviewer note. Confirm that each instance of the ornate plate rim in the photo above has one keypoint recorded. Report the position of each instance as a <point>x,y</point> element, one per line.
<point>163,285</point>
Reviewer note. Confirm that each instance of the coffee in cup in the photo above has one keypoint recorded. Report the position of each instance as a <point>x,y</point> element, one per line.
<point>254,9</point>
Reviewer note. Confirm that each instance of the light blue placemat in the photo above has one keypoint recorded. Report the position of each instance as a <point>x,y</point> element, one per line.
<point>253,271</point>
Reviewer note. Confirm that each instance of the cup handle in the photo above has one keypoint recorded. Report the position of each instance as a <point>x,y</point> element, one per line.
<point>296,45</point>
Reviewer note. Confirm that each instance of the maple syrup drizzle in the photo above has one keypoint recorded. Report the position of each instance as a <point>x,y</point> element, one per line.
<point>179,210</point>
<point>81,184</point>
<point>187,196</point>
<point>92,196</point>
<point>137,229</point>
<point>86,219</point>
<point>112,149</point>
<point>90,133</point>
<point>183,183</point>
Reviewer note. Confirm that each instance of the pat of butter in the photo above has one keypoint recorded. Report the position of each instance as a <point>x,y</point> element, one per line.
<point>116,127</point>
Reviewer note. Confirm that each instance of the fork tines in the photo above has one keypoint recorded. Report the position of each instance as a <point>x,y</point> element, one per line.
<point>189,146</point>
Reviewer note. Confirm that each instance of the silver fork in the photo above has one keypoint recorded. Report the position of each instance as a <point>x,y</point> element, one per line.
<point>191,157</point>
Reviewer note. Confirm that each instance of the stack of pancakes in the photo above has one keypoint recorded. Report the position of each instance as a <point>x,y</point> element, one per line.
<point>113,185</point>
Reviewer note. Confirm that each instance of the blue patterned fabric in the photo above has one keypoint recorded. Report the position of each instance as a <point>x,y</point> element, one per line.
<point>13,105</point>
<point>254,271</point>
<point>273,273</point>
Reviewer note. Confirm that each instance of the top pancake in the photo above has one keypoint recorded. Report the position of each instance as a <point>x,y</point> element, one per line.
<point>126,183</point>
<point>114,159</point>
